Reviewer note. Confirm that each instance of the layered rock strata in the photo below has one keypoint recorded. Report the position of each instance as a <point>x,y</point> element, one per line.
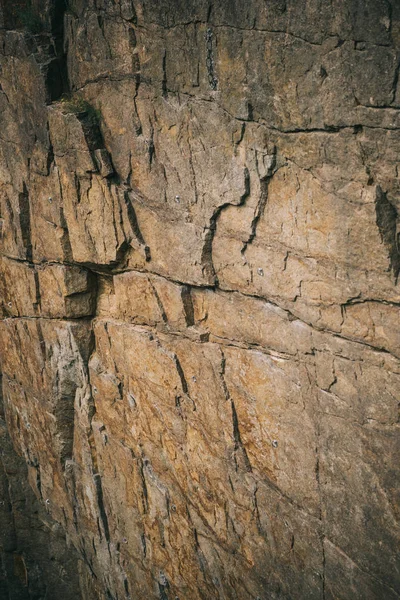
<point>200,335</point>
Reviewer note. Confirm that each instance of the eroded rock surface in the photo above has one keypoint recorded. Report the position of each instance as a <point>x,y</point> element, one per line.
<point>200,334</point>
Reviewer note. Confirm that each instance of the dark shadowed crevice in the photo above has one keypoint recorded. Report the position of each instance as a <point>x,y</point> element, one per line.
<point>387,219</point>
<point>56,79</point>
<point>25,221</point>
<point>56,71</point>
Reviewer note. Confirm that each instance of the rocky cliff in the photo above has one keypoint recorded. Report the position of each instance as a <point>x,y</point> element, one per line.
<point>200,335</point>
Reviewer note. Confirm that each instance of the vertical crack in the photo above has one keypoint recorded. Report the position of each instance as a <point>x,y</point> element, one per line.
<point>240,453</point>
<point>159,303</point>
<point>266,167</point>
<point>164,79</point>
<point>206,255</point>
<point>25,221</point>
<point>187,303</point>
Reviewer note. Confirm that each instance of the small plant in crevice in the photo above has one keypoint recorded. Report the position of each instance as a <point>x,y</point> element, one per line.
<point>89,116</point>
<point>79,106</point>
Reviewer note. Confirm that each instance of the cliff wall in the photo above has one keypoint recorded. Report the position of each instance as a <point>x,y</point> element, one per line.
<point>200,334</point>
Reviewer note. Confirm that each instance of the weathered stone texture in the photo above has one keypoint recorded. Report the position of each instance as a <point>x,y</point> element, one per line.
<point>36,560</point>
<point>199,300</point>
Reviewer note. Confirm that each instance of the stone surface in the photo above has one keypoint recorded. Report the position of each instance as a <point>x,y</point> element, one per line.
<point>199,299</point>
<point>37,560</point>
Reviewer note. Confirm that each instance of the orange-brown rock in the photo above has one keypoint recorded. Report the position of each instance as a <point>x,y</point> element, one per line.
<point>199,300</point>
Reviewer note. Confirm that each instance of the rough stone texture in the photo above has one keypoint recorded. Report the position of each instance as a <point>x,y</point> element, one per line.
<point>36,561</point>
<point>200,338</point>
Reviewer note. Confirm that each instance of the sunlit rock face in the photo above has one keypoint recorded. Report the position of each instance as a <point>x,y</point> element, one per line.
<point>200,334</point>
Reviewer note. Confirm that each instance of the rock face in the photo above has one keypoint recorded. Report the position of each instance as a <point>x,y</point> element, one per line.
<point>200,334</point>
<point>36,561</point>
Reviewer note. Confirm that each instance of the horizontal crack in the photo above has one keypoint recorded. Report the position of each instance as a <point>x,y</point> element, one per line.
<point>291,315</point>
